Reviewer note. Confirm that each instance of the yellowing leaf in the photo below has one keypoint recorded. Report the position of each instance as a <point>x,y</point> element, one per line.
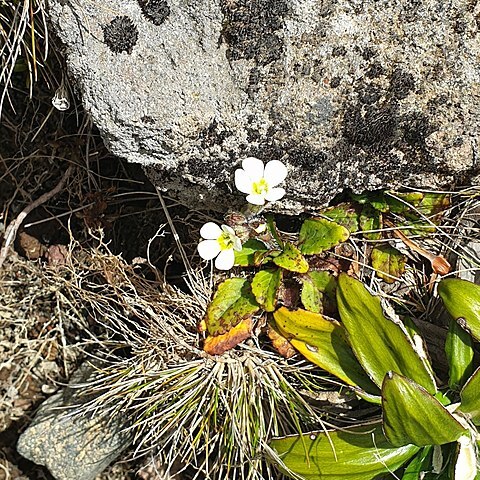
<point>412,416</point>
<point>265,288</point>
<point>319,234</point>
<point>291,259</point>
<point>322,341</point>
<point>388,262</point>
<point>219,344</point>
<point>232,303</point>
<point>355,453</point>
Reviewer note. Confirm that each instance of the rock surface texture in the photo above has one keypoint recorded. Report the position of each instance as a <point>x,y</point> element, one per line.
<point>357,94</point>
<point>72,448</point>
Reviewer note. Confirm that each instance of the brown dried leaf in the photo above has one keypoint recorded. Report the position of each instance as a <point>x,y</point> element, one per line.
<point>220,344</point>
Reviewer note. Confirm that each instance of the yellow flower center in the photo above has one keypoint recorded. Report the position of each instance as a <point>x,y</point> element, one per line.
<point>260,187</point>
<point>226,241</point>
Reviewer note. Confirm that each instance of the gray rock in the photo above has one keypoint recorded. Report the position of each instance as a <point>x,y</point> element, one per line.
<point>72,447</point>
<point>357,94</point>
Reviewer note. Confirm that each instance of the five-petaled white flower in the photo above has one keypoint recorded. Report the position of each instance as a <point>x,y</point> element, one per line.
<point>219,242</point>
<point>259,181</point>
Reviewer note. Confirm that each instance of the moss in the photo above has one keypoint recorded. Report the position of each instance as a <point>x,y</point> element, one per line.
<point>156,11</point>
<point>120,35</point>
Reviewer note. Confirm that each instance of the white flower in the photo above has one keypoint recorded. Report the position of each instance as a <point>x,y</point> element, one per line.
<point>259,182</point>
<point>219,242</point>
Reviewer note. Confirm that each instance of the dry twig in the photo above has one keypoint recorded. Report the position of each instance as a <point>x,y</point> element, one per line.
<point>11,231</point>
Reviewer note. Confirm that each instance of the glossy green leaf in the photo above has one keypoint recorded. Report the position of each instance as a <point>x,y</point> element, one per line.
<point>459,350</point>
<point>462,300</point>
<point>291,259</point>
<point>403,202</point>
<point>357,453</point>
<point>421,463</point>
<point>232,303</point>
<point>323,342</point>
<point>433,204</point>
<point>318,291</point>
<point>379,343</point>
<point>319,234</point>
<point>371,219</point>
<point>412,416</point>
<point>265,288</point>
<point>470,397</point>
<point>375,199</point>
<point>344,214</point>
<point>245,257</point>
<point>388,262</point>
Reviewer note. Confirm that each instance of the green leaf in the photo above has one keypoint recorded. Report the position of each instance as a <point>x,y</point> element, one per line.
<point>245,257</point>
<point>232,303</point>
<point>323,342</point>
<point>388,262</point>
<point>412,416</point>
<point>319,234</point>
<point>371,219</point>
<point>356,453</point>
<point>421,463</point>
<point>462,300</point>
<point>375,199</point>
<point>433,204</point>
<point>344,214</point>
<point>403,202</point>
<point>459,350</point>
<point>470,397</point>
<point>291,259</point>
<point>318,291</point>
<point>265,288</point>
<point>380,344</point>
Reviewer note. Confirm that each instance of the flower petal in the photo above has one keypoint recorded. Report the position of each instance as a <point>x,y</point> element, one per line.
<point>256,199</point>
<point>243,181</point>
<point>225,260</point>
<point>228,230</point>
<point>275,194</point>
<point>208,249</point>
<point>275,173</point>
<point>237,244</point>
<point>254,168</point>
<point>210,231</point>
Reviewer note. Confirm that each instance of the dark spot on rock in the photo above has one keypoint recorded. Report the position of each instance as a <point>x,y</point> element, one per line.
<point>249,28</point>
<point>335,82</point>
<point>339,51</point>
<point>147,119</point>
<point>120,35</point>
<point>401,83</point>
<point>366,125</point>
<point>302,69</point>
<point>368,53</point>
<point>369,94</point>
<point>375,70</point>
<point>307,159</point>
<point>213,135</point>
<point>416,128</point>
<point>253,81</point>
<point>156,11</point>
